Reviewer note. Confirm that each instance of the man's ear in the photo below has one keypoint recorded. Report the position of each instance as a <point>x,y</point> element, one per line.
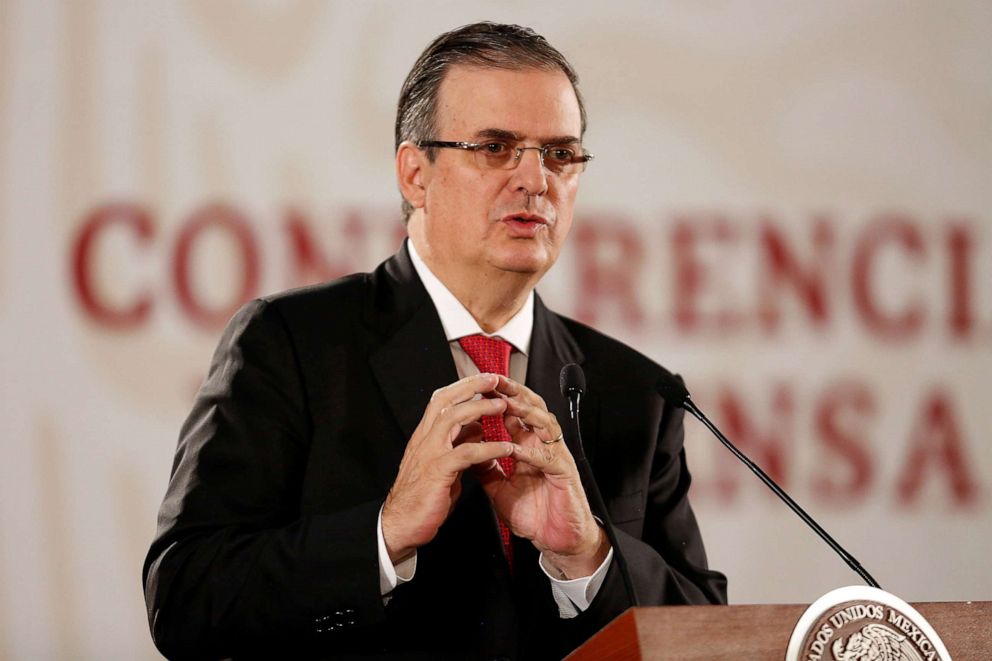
<point>410,165</point>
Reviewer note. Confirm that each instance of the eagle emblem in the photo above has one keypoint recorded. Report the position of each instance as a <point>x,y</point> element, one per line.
<point>875,642</point>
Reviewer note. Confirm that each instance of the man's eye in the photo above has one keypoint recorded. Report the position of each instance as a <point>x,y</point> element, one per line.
<point>561,154</point>
<point>494,148</point>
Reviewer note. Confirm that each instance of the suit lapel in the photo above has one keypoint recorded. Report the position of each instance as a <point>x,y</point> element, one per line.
<point>551,348</point>
<point>414,359</point>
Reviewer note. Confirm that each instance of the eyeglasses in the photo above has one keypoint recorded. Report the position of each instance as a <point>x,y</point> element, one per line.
<point>564,159</point>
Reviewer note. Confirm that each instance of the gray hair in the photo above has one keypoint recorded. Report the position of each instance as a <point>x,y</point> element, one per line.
<point>486,45</point>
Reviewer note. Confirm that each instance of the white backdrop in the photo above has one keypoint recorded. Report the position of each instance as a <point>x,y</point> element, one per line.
<point>790,206</point>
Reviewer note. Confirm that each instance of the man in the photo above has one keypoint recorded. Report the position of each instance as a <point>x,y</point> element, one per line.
<point>375,466</point>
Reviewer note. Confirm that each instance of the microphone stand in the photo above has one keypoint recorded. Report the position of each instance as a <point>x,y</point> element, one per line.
<point>851,561</point>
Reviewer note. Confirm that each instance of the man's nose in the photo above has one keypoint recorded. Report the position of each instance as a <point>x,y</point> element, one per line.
<point>530,174</point>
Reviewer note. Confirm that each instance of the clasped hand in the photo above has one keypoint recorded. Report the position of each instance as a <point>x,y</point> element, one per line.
<point>542,500</point>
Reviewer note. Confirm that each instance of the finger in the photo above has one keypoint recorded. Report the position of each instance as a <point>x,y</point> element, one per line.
<point>450,421</point>
<point>538,420</point>
<point>487,472</point>
<point>450,395</point>
<point>470,433</point>
<point>460,391</point>
<point>471,454</point>
<point>515,426</point>
<point>510,388</point>
<point>550,447</point>
<point>549,459</point>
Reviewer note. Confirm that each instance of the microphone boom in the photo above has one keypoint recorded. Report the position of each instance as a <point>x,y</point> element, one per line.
<point>675,393</point>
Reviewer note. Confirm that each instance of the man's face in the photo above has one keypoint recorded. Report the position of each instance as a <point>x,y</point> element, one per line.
<point>510,220</point>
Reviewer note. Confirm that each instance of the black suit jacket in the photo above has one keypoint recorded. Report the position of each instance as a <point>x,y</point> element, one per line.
<point>266,543</point>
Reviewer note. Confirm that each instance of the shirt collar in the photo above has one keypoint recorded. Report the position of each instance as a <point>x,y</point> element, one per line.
<point>458,322</point>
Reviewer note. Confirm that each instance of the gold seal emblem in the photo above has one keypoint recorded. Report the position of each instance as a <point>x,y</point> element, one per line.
<point>874,641</point>
<point>864,624</point>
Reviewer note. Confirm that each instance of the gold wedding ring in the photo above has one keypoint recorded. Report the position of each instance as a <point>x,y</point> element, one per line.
<point>561,437</point>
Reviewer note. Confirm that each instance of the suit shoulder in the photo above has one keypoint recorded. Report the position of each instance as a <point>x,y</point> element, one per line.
<point>349,288</point>
<point>327,310</point>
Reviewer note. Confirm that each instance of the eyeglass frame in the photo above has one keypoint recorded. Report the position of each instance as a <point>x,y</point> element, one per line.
<point>582,159</point>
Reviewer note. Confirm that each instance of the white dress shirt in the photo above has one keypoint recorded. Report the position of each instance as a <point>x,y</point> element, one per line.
<point>572,596</point>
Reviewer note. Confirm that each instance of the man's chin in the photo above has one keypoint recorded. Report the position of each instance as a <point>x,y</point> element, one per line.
<point>525,262</point>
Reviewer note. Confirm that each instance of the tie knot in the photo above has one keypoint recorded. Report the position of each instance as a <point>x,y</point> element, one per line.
<point>490,354</point>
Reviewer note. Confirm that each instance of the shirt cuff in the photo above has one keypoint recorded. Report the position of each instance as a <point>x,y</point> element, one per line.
<point>574,596</point>
<point>390,576</point>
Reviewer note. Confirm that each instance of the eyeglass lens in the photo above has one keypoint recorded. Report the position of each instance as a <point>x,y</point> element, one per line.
<point>560,159</point>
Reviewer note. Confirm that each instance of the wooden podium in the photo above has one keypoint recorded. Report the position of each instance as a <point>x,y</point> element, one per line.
<point>758,632</point>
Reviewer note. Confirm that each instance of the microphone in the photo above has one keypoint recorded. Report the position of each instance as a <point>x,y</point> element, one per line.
<point>677,394</point>
<point>572,382</point>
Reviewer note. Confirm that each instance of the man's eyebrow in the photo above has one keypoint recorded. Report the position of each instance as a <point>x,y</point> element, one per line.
<point>503,134</point>
<point>560,140</point>
<point>498,134</point>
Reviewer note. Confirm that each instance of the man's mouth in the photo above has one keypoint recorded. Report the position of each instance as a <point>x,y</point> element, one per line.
<point>525,219</point>
<point>525,225</point>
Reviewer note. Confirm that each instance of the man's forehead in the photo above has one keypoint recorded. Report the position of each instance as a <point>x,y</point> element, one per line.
<point>526,103</point>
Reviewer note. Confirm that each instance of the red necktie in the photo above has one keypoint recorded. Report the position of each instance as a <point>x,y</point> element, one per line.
<point>492,355</point>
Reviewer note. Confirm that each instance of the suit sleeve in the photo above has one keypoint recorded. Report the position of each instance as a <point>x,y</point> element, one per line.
<point>667,561</point>
<point>233,556</point>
